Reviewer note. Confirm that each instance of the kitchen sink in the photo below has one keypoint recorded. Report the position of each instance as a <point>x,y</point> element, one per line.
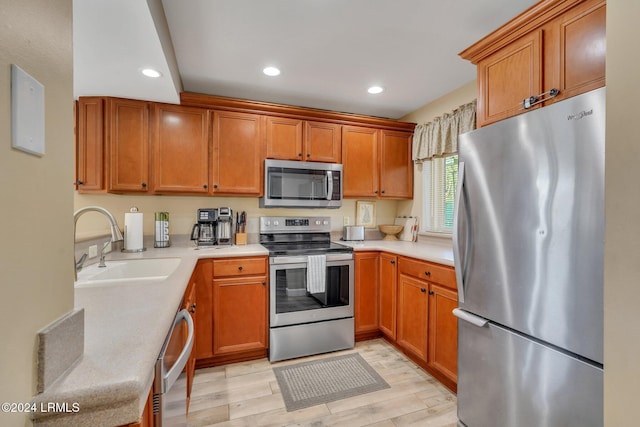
<point>127,271</point>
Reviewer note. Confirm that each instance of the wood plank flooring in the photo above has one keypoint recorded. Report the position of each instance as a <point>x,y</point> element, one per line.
<point>247,394</point>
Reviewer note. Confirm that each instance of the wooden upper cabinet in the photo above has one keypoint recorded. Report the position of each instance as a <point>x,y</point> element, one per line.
<point>360,161</point>
<point>90,144</point>
<point>180,149</point>
<point>579,41</point>
<point>396,167</point>
<point>237,154</point>
<point>128,141</point>
<point>507,77</point>
<point>292,139</point>
<point>322,142</point>
<point>555,44</point>
<point>284,138</point>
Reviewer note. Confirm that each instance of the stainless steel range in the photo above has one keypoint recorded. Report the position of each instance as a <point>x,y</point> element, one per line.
<point>311,287</point>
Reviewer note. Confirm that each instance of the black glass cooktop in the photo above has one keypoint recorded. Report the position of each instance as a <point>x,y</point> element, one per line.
<point>305,248</point>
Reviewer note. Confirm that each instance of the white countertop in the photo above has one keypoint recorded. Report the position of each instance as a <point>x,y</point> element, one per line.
<point>441,253</point>
<point>126,325</point>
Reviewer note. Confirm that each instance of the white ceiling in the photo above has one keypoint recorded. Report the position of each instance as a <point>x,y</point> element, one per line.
<point>329,51</point>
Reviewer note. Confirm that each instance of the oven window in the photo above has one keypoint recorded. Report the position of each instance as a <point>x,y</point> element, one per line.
<point>293,295</point>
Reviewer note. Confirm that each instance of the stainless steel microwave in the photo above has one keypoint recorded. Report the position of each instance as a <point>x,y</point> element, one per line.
<point>292,184</point>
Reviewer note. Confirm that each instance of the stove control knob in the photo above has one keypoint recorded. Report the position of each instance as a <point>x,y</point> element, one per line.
<point>276,223</point>
<point>317,222</point>
<point>325,222</point>
<point>267,223</point>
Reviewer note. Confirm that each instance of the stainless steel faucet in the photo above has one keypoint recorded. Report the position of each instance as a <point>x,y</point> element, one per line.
<point>116,234</point>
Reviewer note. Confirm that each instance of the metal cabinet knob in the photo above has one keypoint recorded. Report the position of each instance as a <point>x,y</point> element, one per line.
<point>240,268</point>
<point>382,191</point>
<point>299,154</point>
<point>80,182</point>
<point>423,290</point>
<point>427,273</point>
<point>264,283</point>
<point>205,186</point>
<point>192,309</point>
<point>144,185</point>
<point>431,292</point>
<point>393,261</point>
<point>308,155</point>
<point>215,185</point>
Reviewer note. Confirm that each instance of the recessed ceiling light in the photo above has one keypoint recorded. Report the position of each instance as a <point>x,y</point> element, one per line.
<point>375,89</point>
<point>271,71</point>
<point>150,72</point>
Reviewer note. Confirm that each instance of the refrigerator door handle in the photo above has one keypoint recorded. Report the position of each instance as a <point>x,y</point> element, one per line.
<point>459,265</point>
<point>471,318</point>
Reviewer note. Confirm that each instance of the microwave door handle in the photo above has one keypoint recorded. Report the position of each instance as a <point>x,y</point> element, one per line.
<point>329,185</point>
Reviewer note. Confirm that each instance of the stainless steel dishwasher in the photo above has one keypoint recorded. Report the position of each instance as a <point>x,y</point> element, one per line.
<point>169,395</point>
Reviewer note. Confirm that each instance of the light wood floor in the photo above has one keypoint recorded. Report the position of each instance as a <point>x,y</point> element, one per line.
<point>247,394</point>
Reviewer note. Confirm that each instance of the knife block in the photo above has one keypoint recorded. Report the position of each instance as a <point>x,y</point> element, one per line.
<point>241,238</point>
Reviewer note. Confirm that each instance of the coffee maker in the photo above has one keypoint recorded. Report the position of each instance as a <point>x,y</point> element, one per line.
<point>224,233</point>
<point>204,231</point>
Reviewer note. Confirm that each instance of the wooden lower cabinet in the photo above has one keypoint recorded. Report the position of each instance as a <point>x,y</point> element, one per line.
<point>366,295</point>
<point>412,321</point>
<point>189,304</point>
<point>443,332</point>
<point>232,320</point>
<point>388,291</point>
<point>239,315</point>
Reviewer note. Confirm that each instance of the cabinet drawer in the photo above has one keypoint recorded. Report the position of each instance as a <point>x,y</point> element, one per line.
<point>428,271</point>
<point>239,267</point>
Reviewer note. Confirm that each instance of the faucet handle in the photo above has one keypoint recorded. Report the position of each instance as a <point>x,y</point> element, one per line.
<point>80,262</point>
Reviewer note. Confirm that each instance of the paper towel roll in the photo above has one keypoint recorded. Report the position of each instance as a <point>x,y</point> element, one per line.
<point>133,231</point>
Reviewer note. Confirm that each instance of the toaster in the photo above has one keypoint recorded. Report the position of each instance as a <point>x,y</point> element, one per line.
<point>353,232</point>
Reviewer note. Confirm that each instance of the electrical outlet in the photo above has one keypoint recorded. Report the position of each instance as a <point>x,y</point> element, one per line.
<point>345,220</point>
<point>93,251</point>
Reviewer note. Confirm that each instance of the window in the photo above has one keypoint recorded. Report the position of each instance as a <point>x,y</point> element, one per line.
<point>439,176</point>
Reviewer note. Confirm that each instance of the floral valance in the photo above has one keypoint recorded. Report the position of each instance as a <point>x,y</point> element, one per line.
<point>440,137</point>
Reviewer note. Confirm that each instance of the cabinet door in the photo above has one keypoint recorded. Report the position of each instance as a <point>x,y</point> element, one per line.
<point>237,154</point>
<point>360,161</point>
<point>203,278</point>
<point>412,315</point>
<point>366,292</point>
<point>443,331</point>
<point>90,144</point>
<point>582,47</point>
<point>507,77</point>
<point>284,138</point>
<point>128,139</point>
<point>322,142</point>
<point>396,167</point>
<point>239,314</point>
<point>388,291</point>
<point>180,149</point>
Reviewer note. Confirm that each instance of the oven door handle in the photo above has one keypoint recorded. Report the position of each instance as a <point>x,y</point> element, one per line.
<point>329,178</point>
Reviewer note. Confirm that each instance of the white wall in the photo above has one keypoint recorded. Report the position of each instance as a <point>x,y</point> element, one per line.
<point>622,204</point>
<point>36,194</point>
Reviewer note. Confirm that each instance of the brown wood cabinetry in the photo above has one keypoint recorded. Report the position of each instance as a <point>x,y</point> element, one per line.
<point>239,305</point>
<point>127,128</point>
<point>555,44</point>
<point>237,154</point>
<point>232,320</point>
<point>293,139</point>
<point>413,304</point>
<point>180,137</point>
<point>443,331</point>
<point>366,295</point>
<point>396,166</point>
<point>377,163</point>
<point>388,294</point>
<point>90,145</point>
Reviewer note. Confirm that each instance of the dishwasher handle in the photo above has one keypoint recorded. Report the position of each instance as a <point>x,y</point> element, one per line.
<point>170,377</point>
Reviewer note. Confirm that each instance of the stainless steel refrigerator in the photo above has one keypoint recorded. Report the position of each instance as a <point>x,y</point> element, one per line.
<point>528,250</point>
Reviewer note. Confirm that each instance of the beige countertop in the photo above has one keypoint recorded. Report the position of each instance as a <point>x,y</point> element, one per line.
<point>126,325</point>
<point>438,252</point>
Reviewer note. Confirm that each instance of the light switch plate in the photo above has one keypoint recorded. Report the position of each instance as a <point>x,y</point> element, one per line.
<point>27,112</point>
